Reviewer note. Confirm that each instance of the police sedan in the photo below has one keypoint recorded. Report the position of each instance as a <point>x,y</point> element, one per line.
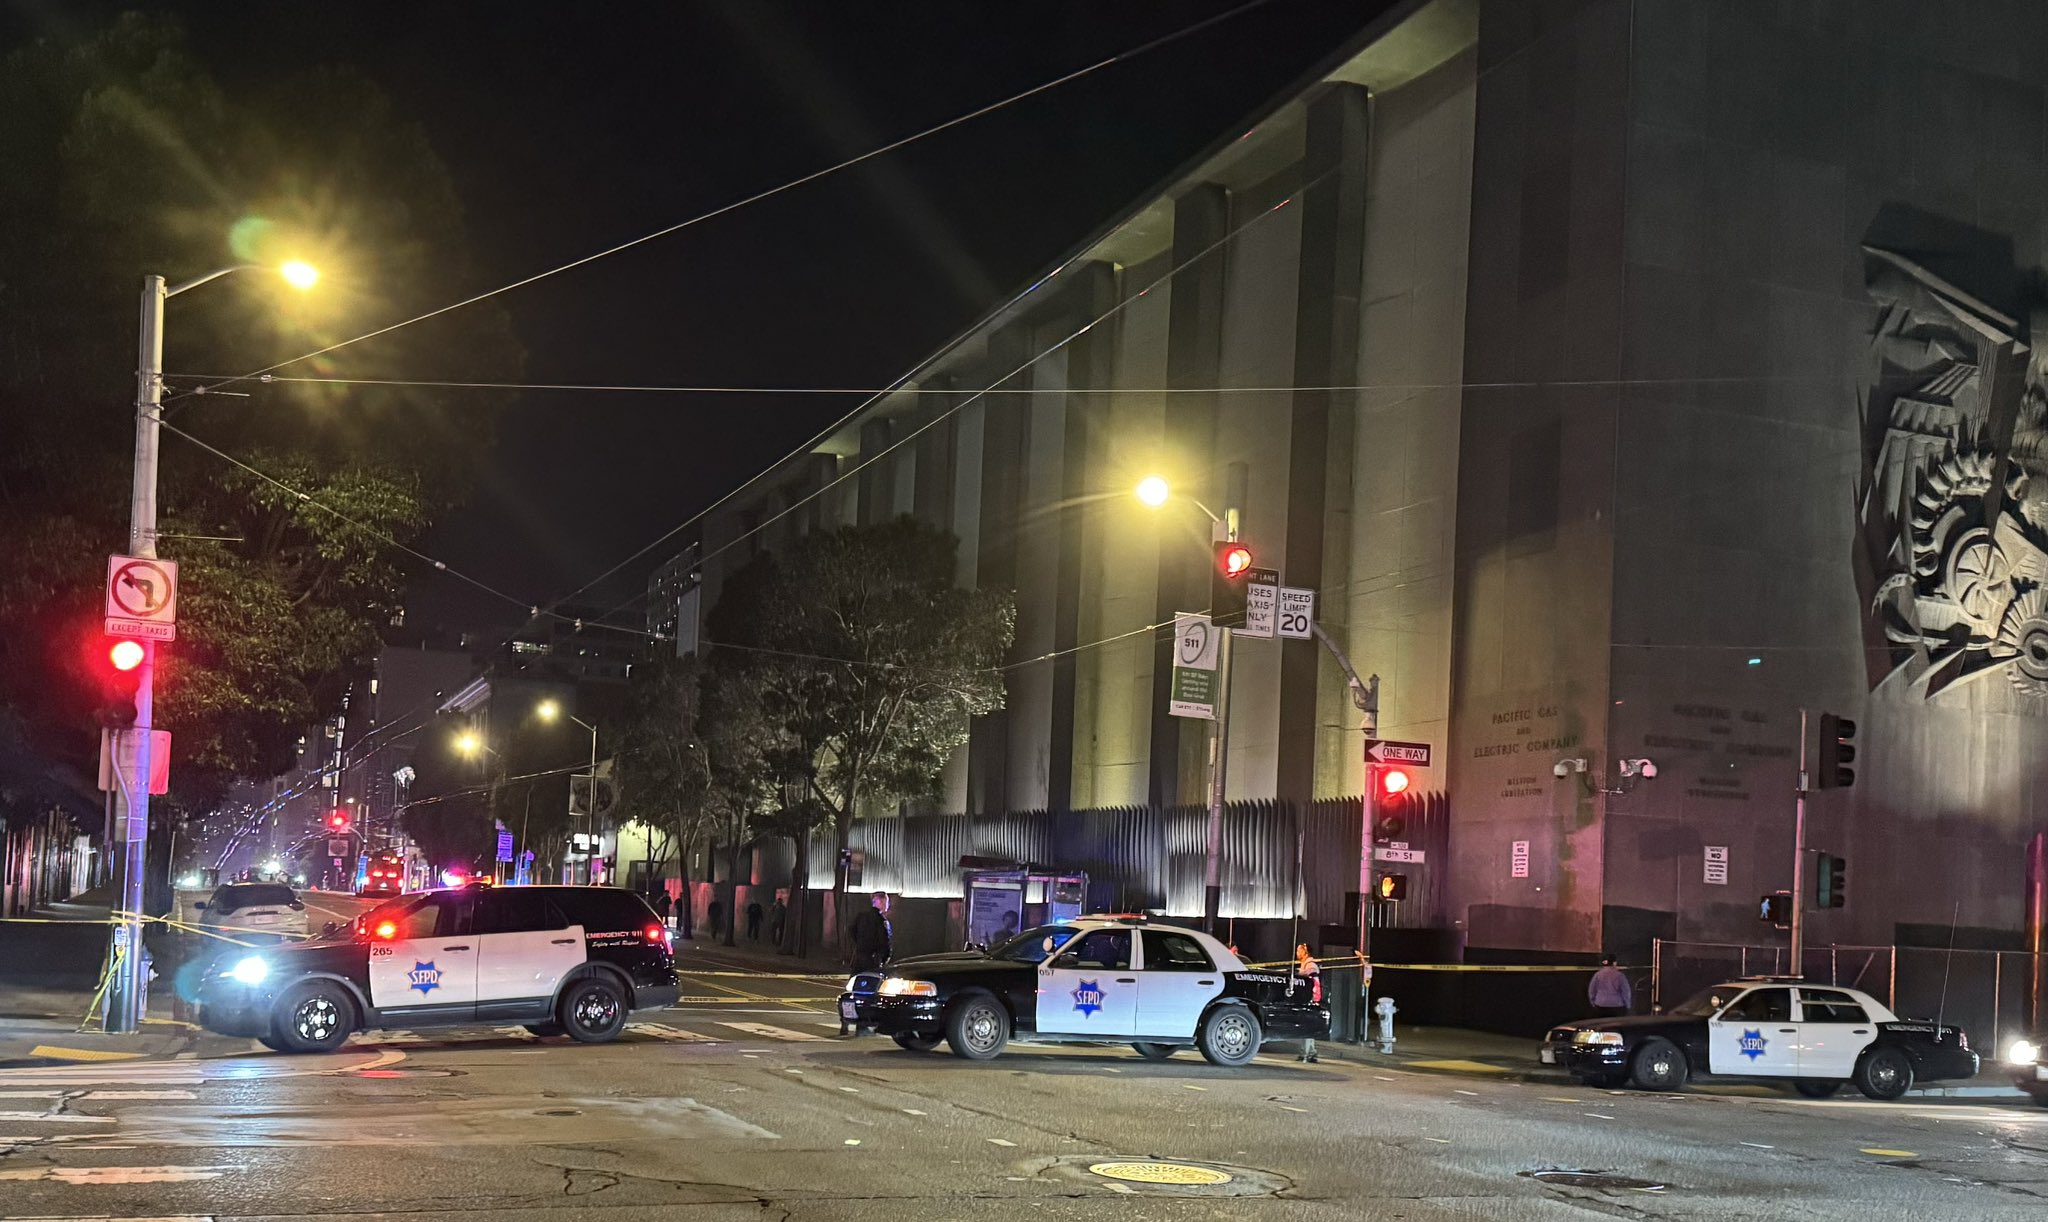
<point>1817,1037</point>
<point>558,960</point>
<point>1101,980</point>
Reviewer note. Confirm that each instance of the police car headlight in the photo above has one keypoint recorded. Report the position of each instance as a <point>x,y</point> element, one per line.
<point>896,986</point>
<point>253,970</point>
<point>1596,1037</point>
<point>2023,1052</point>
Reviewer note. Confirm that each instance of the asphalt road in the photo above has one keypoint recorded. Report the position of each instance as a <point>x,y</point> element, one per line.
<point>742,1103</point>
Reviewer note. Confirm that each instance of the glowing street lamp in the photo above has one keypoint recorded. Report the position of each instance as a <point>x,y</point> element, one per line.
<point>299,274</point>
<point>470,743</point>
<point>1153,490</point>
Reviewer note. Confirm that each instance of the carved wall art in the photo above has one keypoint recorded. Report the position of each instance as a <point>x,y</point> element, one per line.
<point>1954,505</point>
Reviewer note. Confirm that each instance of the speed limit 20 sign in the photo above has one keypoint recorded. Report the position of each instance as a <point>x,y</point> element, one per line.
<point>1297,613</point>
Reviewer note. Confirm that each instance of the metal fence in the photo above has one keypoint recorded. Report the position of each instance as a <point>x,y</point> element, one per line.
<point>1996,995</point>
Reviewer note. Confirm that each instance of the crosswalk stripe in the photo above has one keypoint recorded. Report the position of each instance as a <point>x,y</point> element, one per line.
<point>662,1031</point>
<point>773,1033</point>
<point>52,1118</point>
<point>115,1175</point>
<point>181,1073</point>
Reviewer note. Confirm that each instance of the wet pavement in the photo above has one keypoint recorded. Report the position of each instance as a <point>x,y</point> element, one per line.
<point>743,1103</point>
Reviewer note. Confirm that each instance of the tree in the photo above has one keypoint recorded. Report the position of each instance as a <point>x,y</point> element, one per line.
<point>664,775</point>
<point>870,661</point>
<point>123,157</point>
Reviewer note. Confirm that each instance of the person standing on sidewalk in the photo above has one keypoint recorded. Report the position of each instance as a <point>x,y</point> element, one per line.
<point>1608,992</point>
<point>1305,967</point>
<point>754,920</point>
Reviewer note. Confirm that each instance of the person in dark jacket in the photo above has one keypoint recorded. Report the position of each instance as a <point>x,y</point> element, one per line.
<point>754,919</point>
<point>871,936</point>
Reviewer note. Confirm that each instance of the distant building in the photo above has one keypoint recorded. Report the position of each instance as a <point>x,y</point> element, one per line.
<point>674,602</point>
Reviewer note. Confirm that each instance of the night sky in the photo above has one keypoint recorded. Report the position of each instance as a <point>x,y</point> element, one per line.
<point>572,127</point>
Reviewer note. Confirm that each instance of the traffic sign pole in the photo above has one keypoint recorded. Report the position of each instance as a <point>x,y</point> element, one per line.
<point>1219,763</point>
<point>124,988</point>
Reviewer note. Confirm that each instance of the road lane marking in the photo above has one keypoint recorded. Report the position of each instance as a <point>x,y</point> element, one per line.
<point>997,1141</point>
<point>1460,1066</point>
<point>853,1141</point>
<point>1473,1093</point>
<point>140,1094</point>
<point>1881,1152</point>
<point>1192,1086</point>
<point>662,1031</point>
<point>1599,1115</point>
<point>775,1033</point>
<point>851,1090</point>
<point>31,1094</point>
<point>1756,1145</point>
<point>114,1175</point>
<point>1442,1141</point>
<point>52,1118</point>
<point>911,1111</point>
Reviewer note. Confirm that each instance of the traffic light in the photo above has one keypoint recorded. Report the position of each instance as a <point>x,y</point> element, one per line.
<point>337,821</point>
<point>1226,584</point>
<point>123,680</point>
<point>1390,802</point>
<point>1393,886</point>
<point>1837,752</point>
<point>1776,909</point>
<point>1830,881</point>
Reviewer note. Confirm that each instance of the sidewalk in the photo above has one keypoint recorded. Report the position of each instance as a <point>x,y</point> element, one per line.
<point>707,954</point>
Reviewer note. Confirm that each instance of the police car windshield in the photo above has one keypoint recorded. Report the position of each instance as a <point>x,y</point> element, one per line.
<point>1705,1003</point>
<point>1029,946</point>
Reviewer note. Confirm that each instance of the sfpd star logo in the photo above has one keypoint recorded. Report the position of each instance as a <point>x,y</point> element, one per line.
<point>1752,1044</point>
<point>1088,998</point>
<point>424,976</point>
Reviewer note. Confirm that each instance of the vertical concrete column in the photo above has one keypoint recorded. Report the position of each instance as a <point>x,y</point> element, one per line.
<point>1091,364</point>
<point>1006,439</point>
<point>1194,355</point>
<point>1331,277</point>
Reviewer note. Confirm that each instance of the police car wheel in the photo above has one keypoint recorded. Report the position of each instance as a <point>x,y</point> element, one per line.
<point>978,1028</point>
<point>1658,1065</point>
<point>910,1042</point>
<point>592,1011</point>
<point>1884,1073</point>
<point>1229,1036</point>
<point>272,1042</point>
<point>1154,1052</point>
<point>315,1017</point>
<point>1817,1088</point>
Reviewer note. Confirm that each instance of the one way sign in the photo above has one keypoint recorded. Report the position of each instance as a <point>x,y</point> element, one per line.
<point>1387,751</point>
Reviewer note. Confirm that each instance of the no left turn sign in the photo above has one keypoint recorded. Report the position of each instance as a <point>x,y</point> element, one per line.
<point>142,598</point>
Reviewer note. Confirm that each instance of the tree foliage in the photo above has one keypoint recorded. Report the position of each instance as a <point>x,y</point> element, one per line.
<point>868,661</point>
<point>123,157</point>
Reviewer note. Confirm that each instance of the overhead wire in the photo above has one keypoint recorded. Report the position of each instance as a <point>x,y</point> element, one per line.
<point>769,192</point>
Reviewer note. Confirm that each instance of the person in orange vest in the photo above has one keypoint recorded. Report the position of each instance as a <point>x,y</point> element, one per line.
<point>1305,967</point>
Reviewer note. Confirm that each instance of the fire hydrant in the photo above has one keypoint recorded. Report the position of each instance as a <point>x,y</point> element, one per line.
<point>1384,1007</point>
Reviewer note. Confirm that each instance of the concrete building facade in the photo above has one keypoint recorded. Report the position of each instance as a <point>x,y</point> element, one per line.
<point>1624,376</point>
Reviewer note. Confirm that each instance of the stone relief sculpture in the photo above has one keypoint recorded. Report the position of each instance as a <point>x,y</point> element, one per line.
<point>1954,503</point>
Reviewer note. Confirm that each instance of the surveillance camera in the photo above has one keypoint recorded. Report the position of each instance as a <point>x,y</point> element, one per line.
<point>1561,768</point>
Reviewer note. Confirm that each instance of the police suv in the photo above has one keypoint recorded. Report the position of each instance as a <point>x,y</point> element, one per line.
<point>558,960</point>
<point>1817,1037</point>
<point>1101,979</point>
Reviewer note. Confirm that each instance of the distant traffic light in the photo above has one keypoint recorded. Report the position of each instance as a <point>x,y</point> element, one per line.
<point>1393,886</point>
<point>337,821</point>
<point>1837,752</point>
<point>1830,881</point>
<point>1226,584</point>
<point>120,684</point>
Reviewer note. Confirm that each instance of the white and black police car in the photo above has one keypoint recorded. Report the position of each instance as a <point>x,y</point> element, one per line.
<point>1816,1037</point>
<point>557,960</point>
<point>1094,980</point>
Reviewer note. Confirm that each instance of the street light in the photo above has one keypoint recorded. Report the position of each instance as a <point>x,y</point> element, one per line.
<point>1155,491</point>
<point>551,711</point>
<point>471,744</point>
<point>124,989</point>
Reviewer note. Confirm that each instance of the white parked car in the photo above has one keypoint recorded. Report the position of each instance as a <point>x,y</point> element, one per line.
<point>254,912</point>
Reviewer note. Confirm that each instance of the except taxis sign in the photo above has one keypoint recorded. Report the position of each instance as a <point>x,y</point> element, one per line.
<point>142,598</point>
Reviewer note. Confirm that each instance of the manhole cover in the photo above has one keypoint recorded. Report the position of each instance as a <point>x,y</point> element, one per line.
<point>1592,1179</point>
<point>1185,1174</point>
<point>1152,1175</point>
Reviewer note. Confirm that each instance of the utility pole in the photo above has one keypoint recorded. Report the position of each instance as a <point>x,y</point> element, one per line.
<point>124,990</point>
<point>1799,857</point>
<point>1219,760</point>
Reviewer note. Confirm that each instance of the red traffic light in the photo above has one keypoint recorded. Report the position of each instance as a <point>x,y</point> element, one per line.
<point>1234,559</point>
<point>338,821</point>
<point>1393,781</point>
<point>125,655</point>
